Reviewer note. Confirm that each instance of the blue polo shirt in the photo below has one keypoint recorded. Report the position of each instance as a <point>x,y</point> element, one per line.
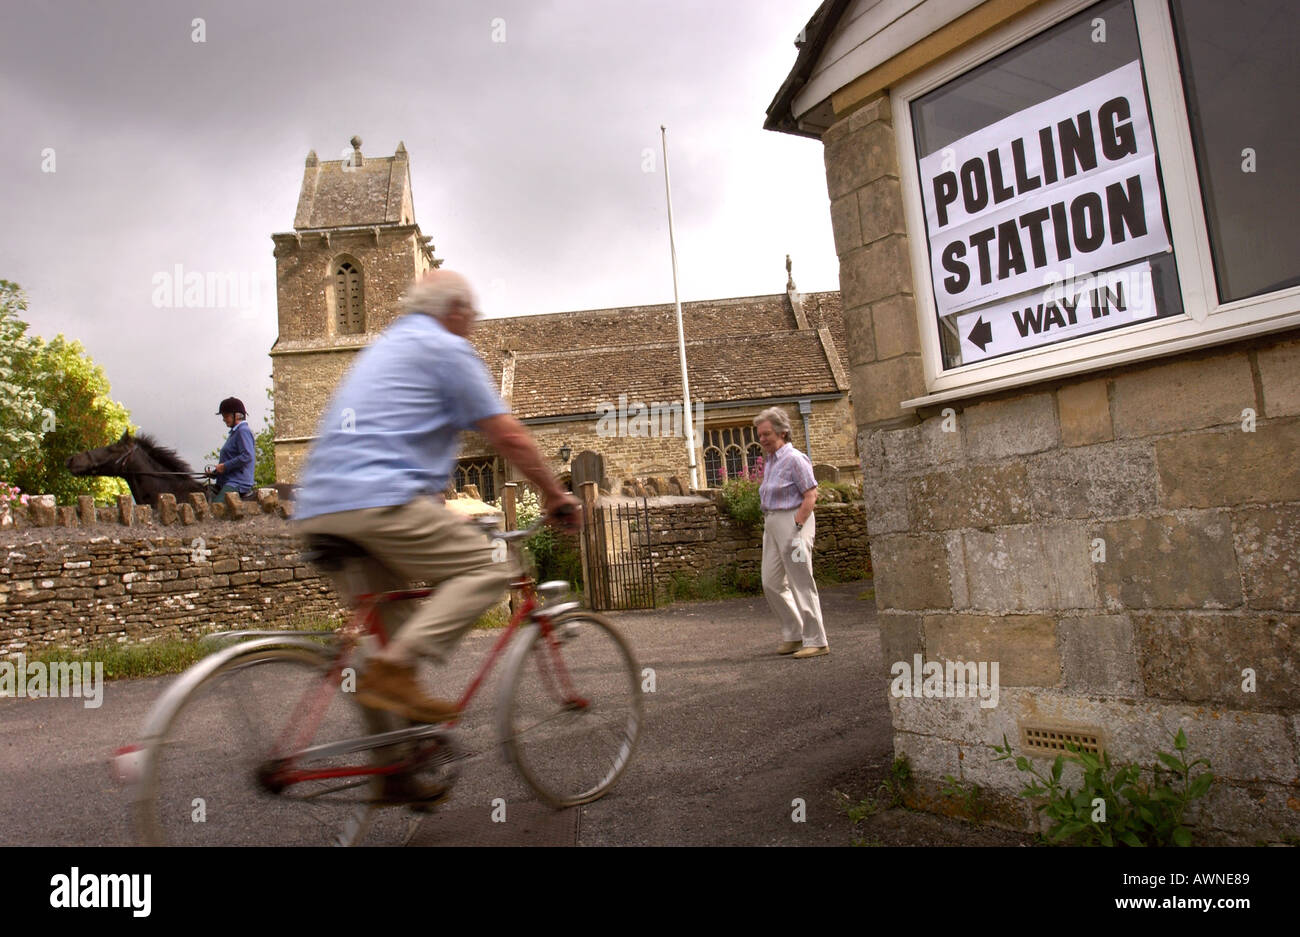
<point>391,431</point>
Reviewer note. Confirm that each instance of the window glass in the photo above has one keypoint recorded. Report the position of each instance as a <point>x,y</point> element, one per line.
<point>1241,67</point>
<point>1044,210</point>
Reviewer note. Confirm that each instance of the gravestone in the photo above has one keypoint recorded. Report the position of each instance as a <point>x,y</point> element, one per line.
<point>588,466</point>
<point>826,473</point>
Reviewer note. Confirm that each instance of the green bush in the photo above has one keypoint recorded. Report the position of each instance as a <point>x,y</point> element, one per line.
<point>1133,811</point>
<point>727,582</point>
<point>836,491</point>
<point>740,500</point>
<point>555,555</point>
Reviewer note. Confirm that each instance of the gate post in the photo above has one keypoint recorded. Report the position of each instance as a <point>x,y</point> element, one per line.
<point>512,521</point>
<point>589,559</point>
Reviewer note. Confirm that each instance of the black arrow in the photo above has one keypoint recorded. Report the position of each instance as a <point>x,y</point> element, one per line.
<point>982,334</point>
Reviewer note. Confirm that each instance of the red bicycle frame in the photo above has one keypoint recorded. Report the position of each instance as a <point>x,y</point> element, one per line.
<point>366,619</point>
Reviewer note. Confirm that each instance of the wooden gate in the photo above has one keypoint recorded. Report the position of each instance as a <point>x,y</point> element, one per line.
<point>618,568</point>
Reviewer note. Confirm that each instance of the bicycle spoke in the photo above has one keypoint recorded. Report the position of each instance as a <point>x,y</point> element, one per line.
<point>208,781</point>
<point>572,711</point>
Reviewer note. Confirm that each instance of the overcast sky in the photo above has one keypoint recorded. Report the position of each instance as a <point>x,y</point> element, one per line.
<point>528,161</point>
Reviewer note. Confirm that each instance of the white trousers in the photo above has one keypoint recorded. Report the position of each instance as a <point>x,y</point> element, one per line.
<point>788,578</point>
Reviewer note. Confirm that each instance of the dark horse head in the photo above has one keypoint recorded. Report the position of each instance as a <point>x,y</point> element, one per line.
<point>149,469</point>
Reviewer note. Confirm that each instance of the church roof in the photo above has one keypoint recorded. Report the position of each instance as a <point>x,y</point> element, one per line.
<point>356,190</point>
<point>749,348</point>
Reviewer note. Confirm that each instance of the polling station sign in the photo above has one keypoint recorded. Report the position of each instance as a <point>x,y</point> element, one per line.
<point>1071,180</point>
<point>1064,310</point>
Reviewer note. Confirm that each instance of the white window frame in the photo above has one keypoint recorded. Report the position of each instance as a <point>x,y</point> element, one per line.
<point>1205,320</point>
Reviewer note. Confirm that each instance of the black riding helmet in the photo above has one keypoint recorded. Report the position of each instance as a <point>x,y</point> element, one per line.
<point>231,405</point>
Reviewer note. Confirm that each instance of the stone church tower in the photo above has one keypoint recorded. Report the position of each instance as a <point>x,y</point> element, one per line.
<point>354,249</point>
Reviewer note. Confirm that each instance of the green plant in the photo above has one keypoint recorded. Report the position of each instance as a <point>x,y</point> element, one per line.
<point>724,583</point>
<point>555,555</point>
<point>264,448</point>
<point>1117,805</point>
<point>843,491</point>
<point>972,803</point>
<point>888,793</point>
<point>741,501</point>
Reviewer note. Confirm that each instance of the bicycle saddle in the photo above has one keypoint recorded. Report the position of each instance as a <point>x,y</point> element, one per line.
<point>330,552</point>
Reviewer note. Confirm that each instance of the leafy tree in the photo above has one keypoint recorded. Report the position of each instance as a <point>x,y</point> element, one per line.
<point>264,444</point>
<point>20,412</point>
<point>77,414</point>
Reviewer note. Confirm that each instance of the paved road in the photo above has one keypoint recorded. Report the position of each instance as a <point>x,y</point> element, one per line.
<point>733,735</point>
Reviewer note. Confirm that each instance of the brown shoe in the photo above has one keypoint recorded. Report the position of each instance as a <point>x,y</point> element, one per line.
<point>393,688</point>
<point>811,652</point>
<point>789,647</point>
<point>404,790</point>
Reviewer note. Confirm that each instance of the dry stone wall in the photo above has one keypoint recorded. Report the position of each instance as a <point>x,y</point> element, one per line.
<point>695,537</point>
<point>77,586</point>
<point>66,587</point>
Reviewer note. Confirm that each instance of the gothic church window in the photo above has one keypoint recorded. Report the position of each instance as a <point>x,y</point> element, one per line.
<point>349,300</point>
<point>733,449</point>
<point>479,473</point>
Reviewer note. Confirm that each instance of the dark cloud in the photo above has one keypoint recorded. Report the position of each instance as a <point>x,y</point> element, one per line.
<point>527,163</point>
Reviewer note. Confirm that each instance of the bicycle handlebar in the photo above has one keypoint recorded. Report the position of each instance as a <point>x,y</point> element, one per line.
<point>489,525</point>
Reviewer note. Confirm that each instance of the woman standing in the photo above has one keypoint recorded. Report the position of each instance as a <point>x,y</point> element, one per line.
<point>787,495</point>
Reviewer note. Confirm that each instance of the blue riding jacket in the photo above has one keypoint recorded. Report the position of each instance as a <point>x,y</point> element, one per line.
<point>238,455</point>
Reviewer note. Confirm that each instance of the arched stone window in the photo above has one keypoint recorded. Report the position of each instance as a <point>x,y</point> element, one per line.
<point>481,473</point>
<point>734,449</point>
<point>349,298</point>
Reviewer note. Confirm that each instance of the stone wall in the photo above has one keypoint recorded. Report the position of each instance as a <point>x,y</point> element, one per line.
<point>75,588</point>
<point>41,511</point>
<point>1126,551</point>
<point>694,537</point>
<point>1123,544</point>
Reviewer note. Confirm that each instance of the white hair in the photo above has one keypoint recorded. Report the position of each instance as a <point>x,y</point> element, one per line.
<point>433,295</point>
<point>777,417</point>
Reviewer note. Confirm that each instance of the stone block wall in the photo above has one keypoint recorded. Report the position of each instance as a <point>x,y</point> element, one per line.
<point>695,537</point>
<point>107,582</point>
<point>77,588</point>
<point>1125,544</point>
<point>1127,548</point>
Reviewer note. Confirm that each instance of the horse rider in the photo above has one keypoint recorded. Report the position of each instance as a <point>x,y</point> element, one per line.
<point>239,454</point>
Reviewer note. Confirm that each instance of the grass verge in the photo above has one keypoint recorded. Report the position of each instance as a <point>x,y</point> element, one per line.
<point>127,661</point>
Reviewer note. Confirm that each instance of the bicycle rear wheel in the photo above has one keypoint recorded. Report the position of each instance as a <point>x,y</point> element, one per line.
<point>205,774</point>
<point>570,708</point>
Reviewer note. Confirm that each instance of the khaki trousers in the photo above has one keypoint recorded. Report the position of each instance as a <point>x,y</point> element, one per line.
<point>421,540</point>
<point>788,578</point>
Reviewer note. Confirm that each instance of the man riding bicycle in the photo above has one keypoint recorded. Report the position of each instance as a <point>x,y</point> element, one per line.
<point>386,448</point>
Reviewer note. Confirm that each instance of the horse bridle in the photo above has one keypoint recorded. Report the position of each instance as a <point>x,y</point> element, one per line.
<point>120,462</point>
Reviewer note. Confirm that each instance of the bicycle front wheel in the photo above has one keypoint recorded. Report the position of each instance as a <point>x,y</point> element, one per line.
<point>570,708</point>
<point>207,769</point>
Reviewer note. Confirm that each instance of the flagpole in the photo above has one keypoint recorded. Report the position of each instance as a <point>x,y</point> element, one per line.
<point>681,339</point>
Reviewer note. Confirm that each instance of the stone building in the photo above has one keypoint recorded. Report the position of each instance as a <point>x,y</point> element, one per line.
<point>579,379</point>
<point>607,382</point>
<point>354,249</point>
<point>1072,303</point>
